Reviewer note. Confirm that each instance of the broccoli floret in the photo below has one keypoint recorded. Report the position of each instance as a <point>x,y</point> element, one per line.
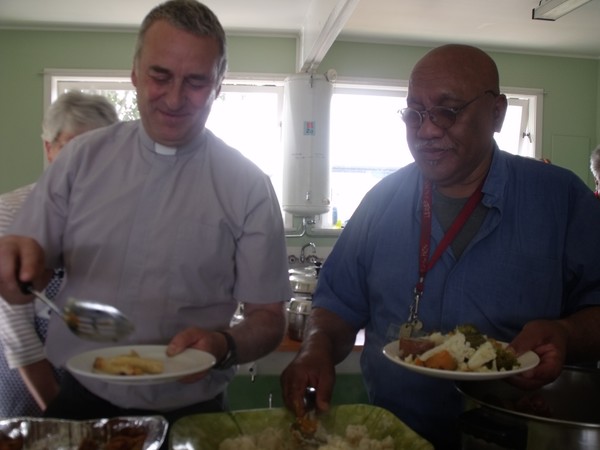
<point>506,359</point>
<point>467,329</point>
<point>472,335</point>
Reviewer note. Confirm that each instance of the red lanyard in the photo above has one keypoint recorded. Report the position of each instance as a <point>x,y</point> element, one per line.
<point>425,264</point>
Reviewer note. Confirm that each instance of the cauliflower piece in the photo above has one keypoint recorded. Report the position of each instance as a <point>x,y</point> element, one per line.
<point>484,354</point>
<point>455,344</point>
<point>437,338</point>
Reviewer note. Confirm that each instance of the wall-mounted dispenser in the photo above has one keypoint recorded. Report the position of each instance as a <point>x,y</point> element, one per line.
<point>305,133</point>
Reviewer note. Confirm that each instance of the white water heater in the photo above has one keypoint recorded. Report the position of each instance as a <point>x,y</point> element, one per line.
<point>305,132</point>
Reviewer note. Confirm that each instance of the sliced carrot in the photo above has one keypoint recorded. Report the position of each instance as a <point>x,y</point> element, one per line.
<point>441,360</point>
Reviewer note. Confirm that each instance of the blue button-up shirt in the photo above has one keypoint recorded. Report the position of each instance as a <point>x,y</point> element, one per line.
<point>536,255</point>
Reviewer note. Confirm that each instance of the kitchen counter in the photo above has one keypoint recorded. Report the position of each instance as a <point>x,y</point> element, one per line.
<point>276,362</point>
<point>289,345</point>
<point>257,385</point>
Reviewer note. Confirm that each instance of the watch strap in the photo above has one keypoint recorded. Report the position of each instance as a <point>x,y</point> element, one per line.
<point>230,358</point>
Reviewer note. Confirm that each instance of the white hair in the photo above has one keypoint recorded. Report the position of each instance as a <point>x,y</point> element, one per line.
<point>75,110</point>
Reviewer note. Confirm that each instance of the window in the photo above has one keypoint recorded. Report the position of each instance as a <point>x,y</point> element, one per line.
<point>367,136</point>
<point>367,142</point>
<point>516,136</point>
<point>116,85</point>
<point>247,117</point>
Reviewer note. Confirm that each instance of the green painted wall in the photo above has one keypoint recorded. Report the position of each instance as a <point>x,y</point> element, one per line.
<point>571,110</point>
<point>24,56</point>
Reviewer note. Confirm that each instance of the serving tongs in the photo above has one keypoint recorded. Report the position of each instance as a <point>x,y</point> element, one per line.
<point>305,428</point>
<point>89,320</point>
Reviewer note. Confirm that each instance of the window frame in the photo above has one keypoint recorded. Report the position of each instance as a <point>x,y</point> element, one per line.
<point>534,124</point>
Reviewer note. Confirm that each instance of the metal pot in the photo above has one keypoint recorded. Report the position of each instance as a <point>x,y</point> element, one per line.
<point>303,282</point>
<point>298,310</point>
<point>563,415</point>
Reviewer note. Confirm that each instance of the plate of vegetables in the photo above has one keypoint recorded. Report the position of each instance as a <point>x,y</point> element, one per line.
<point>462,354</point>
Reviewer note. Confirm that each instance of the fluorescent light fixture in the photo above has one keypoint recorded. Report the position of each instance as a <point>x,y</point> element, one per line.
<point>553,9</point>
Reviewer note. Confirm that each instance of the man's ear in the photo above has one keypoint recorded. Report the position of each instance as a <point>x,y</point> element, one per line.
<point>500,107</point>
<point>133,76</point>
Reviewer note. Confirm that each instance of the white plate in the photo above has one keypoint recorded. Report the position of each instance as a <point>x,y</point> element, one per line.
<point>528,361</point>
<point>187,362</point>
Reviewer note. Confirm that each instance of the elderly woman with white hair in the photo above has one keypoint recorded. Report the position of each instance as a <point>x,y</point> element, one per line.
<point>27,379</point>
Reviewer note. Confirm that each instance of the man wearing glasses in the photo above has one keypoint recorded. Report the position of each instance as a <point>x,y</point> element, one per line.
<point>468,234</point>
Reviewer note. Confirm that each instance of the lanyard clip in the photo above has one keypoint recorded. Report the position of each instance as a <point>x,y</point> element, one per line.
<point>414,307</point>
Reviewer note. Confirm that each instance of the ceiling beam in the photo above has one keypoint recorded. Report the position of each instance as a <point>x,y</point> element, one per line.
<point>322,24</point>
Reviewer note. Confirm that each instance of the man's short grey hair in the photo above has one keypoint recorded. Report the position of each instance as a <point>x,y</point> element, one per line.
<point>191,16</point>
<point>75,110</point>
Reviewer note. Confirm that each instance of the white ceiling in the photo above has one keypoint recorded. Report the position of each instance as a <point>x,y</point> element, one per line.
<point>499,25</point>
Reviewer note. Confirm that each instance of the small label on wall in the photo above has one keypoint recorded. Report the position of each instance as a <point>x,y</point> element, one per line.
<point>309,128</point>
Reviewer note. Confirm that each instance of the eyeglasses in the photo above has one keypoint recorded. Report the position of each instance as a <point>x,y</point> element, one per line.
<point>441,116</point>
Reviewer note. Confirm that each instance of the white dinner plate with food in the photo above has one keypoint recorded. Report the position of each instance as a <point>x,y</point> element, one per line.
<point>527,361</point>
<point>172,367</point>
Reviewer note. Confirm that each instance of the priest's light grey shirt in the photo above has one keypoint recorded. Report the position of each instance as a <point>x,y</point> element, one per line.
<point>171,238</point>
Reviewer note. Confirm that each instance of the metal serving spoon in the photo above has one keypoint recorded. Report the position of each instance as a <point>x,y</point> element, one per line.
<point>304,429</point>
<point>88,320</point>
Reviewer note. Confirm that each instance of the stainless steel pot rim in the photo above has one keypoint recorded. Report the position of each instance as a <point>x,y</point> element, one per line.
<point>575,386</point>
<point>303,288</point>
<point>548,420</point>
<point>303,283</point>
<point>300,279</point>
<point>303,277</point>
<point>304,313</point>
<point>310,271</point>
<point>299,306</point>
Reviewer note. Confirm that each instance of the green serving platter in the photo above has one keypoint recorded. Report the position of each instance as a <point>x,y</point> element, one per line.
<point>207,431</point>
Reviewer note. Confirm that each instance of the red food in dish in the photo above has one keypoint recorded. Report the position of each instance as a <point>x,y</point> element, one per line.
<point>414,346</point>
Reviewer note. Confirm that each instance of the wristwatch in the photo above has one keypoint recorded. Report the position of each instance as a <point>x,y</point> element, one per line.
<point>230,359</point>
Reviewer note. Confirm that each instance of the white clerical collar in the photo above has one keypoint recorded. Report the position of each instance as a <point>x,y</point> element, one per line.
<point>164,150</point>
